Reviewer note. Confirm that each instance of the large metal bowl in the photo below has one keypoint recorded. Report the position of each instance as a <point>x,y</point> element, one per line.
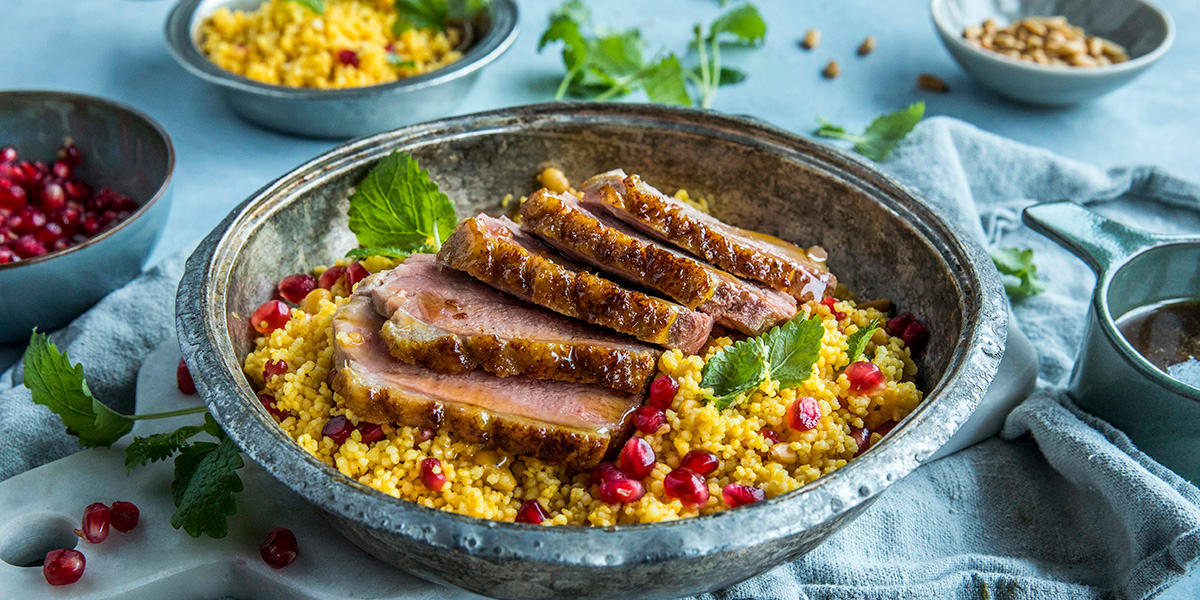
<point>882,241</point>
<point>348,112</point>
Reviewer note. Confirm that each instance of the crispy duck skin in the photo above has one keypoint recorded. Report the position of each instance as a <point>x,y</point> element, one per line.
<point>781,265</point>
<point>572,424</point>
<point>601,240</point>
<point>497,252</point>
<point>448,321</point>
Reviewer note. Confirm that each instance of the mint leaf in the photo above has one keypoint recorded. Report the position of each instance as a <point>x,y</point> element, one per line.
<point>665,83</point>
<point>389,251</point>
<point>160,446</point>
<point>54,383</point>
<point>421,14</point>
<point>398,206</point>
<point>744,23</point>
<point>317,6</point>
<point>1018,272</point>
<point>205,481</point>
<point>734,370</point>
<point>881,136</point>
<point>856,343</point>
<point>792,349</point>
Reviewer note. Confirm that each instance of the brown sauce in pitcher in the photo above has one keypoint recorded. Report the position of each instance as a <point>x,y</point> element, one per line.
<point>1168,335</point>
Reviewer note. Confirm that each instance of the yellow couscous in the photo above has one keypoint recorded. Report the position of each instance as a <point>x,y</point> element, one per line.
<point>483,482</point>
<point>351,44</point>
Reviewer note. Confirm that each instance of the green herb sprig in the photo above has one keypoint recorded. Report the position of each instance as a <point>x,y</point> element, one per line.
<point>398,210</point>
<point>743,26</point>
<point>434,14</point>
<point>856,343</point>
<point>881,136</point>
<point>786,354</point>
<point>1018,272</point>
<point>317,6</point>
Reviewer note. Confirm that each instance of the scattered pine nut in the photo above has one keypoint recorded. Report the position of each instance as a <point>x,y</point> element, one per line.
<point>831,70</point>
<point>866,46</point>
<point>933,83</point>
<point>812,37</point>
<point>1046,41</point>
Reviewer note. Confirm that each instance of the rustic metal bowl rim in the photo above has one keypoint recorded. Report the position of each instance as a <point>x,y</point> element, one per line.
<point>142,208</point>
<point>973,365</point>
<point>499,37</point>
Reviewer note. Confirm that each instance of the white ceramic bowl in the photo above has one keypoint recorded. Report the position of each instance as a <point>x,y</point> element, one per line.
<point>1145,30</point>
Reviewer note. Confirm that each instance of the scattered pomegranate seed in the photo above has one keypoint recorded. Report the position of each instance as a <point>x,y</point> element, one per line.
<point>370,432</point>
<point>432,475</point>
<point>804,413</point>
<point>183,379</point>
<point>662,392</point>
<point>279,549</point>
<point>355,273</point>
<point>272,315</point>
<point>701,462</point>
<point>649,419</point>
<point>331,276</point>
<point>531,511</point>
<point>862,437</point>
<point>897,324</point>
<point>61,169</point>
<point>268,402</point>
<point>96,518</point>
<point>885,427</point>
<point>829,301</point>
<point>637,458</point>
<point>770,434</point>
<point>606,472</point>
<point>865,378</point>
<point>621,491</point>
<point>337,429</point>
<point>273,368</point>
<point>424,434</point>
<point>124,516</point>
<point>686,486</point>
<point>348,57</point>
<point>294,288</point>
<point>8,154</point>
<point>736,494</point>
<point>63,566</point>
<point>915,336</point>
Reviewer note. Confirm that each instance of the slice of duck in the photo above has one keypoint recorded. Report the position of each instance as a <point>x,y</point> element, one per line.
<point>572,424</point>
<point>775,262</point>
<point>448,321</point>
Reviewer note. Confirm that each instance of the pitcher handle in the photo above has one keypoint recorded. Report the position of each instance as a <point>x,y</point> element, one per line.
<point>1099,241</point>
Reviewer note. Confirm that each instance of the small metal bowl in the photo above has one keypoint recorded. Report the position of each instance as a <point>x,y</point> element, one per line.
<point>122,149</point>
<point>347,112</point>
<point>883,242</point>
<point>1144,29</point>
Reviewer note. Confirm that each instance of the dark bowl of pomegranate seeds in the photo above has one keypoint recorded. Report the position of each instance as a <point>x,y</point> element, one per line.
<point>83,198</point>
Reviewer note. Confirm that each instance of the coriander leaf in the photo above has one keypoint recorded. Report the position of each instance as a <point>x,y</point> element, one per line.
<point>619,54</point>
<point>54,383</point>
<point>160,446</point>
<point>792,349</point>
<point>728,75</point>
<point>734,370</point>
<point>856,343</point>
<point>398,206</point>
<point>881,136</point>
<point>205,481</point>
<point>317,6</point>
<point>395,61</point>
<point>830,130</point>
<point>421,14</point>
<point>664,83</point>
<point>744,23</point>
<point>1018,272</point>
<point>565,28</point>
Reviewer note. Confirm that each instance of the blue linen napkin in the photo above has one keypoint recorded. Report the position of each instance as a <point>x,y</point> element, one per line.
<point>1060,506</point>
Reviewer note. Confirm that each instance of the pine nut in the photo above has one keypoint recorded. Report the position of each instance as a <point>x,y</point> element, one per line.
<point>1045,41</point>
<point>812,37</point>
<point>831,70</point>
<point>866,46</point>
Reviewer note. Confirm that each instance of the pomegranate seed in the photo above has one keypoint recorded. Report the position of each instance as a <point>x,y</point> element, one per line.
<point>183,379</point>
<point>77,190</point>
<point>531,511</point>
<point>621,491</point>
<point>60,244</point>
<point>649,419</point>
<point>8,154</point>
<point>279,549</point>
<point>770,434</point>
<point>606,472</point>
<point>96,518</point>
<point>7,255</point>
<point>54,198</point>
<point>90,225</point>
<point>804,414</point>
<point>63,566</point>
<point>736,494</point>
<point>686,486</point>
<point>370,432</point>
<point>124,516</point>
<point>355,273</point>
<point>829,301</point>
<point>61,170</point>
<point>915,336</point>
<point>432,475</point>
<point>272,315</point>
<point>268,402</point>
<point>49,234</point>
<point>865,378</point>
<point>701,462</point>
<point>897,324</point>
<point>331,277</point>
<point>423,435</point>
<point>662,392</point>
<point>337,429</point>
<point>862,437</point>
<point>348,57</point>
<point>637,458</point>
<point>885,427</point>
<point>273,368</point>
<point>27,246</point>
<point>12,196</point>
<point>294,288</point>
<point>70,154</point>
<point>32,220</point>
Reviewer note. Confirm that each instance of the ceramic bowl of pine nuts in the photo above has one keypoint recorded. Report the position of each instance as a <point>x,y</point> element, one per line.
<point>1053,52</point>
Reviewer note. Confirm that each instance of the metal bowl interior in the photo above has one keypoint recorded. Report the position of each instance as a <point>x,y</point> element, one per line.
<point>882,242</point>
